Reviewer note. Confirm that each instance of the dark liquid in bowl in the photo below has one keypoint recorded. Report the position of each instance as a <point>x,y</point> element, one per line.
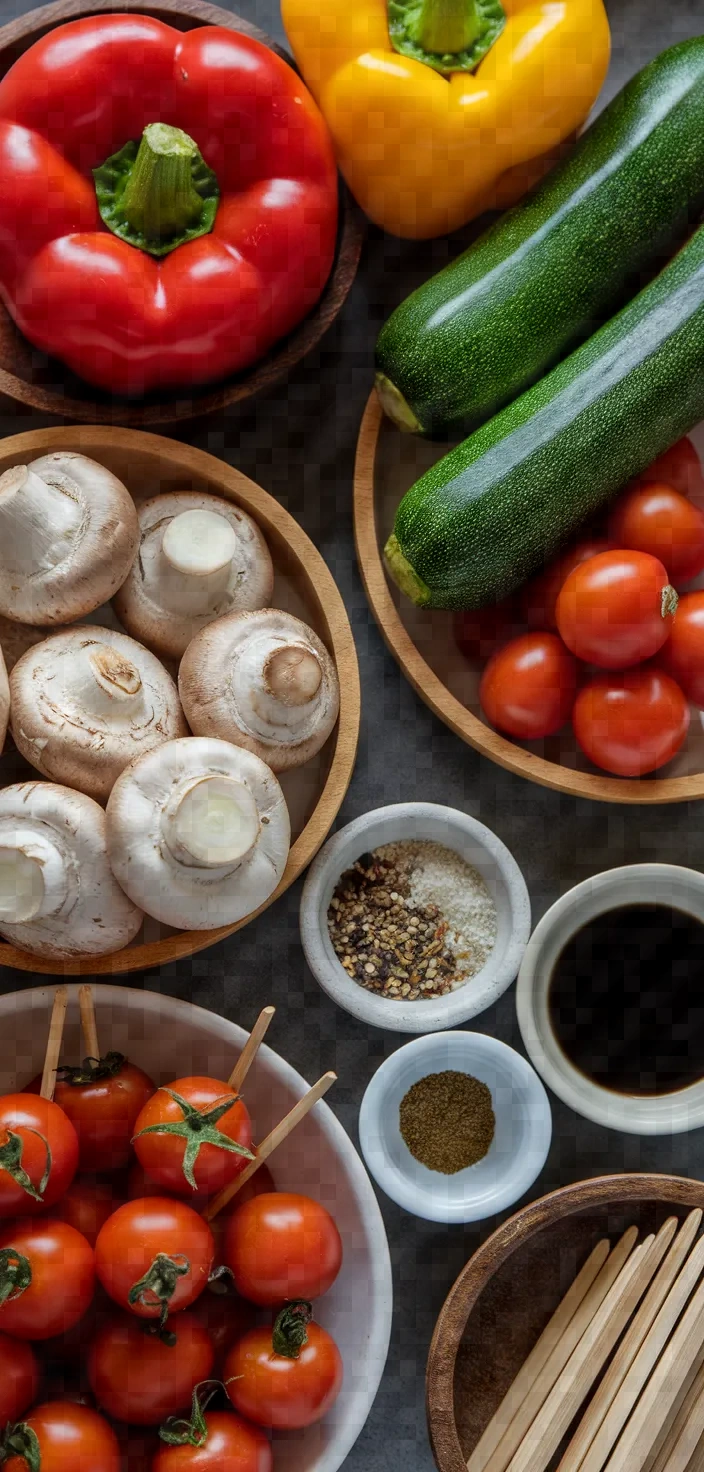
<point>626,999</point>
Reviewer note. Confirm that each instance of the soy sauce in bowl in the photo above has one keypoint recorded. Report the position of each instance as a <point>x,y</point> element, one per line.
<point>626,999</point>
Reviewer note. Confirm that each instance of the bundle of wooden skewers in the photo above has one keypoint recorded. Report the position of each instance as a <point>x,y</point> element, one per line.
<point>624,1352</point>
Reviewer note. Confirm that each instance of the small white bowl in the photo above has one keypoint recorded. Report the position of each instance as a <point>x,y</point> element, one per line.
<point>635,1114</point>
<point>479,847</point>
<point>515,1157</point>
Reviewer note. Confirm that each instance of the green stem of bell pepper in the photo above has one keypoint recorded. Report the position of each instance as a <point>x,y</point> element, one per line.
<point>447,25</point>
<point>159,199</point>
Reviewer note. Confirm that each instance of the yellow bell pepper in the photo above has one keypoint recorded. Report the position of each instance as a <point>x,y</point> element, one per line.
<point>425,150</point>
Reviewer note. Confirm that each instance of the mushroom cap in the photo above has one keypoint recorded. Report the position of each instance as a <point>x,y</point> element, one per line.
<point>139,603</point>
<point>92,916</point>
<point>264,681</point>
<point>190,895</point>
<point>88,749</point>
<point>100,556</point>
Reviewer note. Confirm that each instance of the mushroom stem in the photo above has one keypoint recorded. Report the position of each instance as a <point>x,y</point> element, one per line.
<point>32,879</point>
<point>38,522</point>
<point>197,551</point>
<point>211,821</point>
<point>292,675</point>
<point>104,682</point>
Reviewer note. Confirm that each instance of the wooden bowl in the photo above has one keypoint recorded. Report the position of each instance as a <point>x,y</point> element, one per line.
<point>45,384</point>
<point>505,1295</point>
<point>422,642</point>
<point>149,464</point>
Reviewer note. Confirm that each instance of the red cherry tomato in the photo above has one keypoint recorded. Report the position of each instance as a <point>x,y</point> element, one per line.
<point>38,1154</point>
<point>137,1377</point>
<point>528,687</point>
<point>226,1317</point>
<point>479,631</point>
<point>57,1266</point>
<point>616,610</point>
<point>539,596</point>
<point>88,1203</point>
<point>19,1378</point>
<point>67,1351</point>
<point>655,518</point>
<point>154,1256</point>
<point>230,1445</point>
<point>683,655</point>
<point>679,467</point>
<point>631,723</point>
<point>277,1390</point>
<point>282,1246</point>
<point>102,1099</point>
<point>71,1438</point>
<point>214,1138</point>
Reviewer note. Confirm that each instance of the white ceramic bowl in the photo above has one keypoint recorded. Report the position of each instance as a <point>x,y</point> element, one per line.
<point>515,1157</point>
<point>660,1114</point>
<point>171,1039</point>
<point>479,847</point>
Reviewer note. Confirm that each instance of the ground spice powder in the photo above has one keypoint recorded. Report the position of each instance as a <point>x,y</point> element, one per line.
<point>447,1121</point>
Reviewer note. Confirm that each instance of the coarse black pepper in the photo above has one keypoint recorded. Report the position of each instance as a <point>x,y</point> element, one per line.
<point>447,1120</point>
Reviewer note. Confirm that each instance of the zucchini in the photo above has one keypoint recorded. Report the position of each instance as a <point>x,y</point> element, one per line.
<point>557,266</point>
<point>483,518</point>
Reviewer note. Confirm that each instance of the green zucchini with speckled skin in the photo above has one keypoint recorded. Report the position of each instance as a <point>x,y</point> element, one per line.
<point>553,269</point>
<point>482,519</point>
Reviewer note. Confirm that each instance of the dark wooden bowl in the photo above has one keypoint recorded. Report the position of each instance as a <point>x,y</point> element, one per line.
<point>42,383</point>
<point>505,1295</point>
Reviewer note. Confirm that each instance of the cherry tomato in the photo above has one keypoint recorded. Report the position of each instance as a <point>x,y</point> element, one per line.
<point>657,519</point>
<point>139,1184</point>
<point>282,1246</point>
<point>194,1135</point>
<point>275,1390</point>
<point>479,631</point>
<point>539,596</point>
<point>154,1256</point>
<point>679,467</point>
<point>88,1203</point>
<point>528,687</point>
<point>683,655</point>
<point>230,1445</point>
<point>102,1099</point>
<point>38,1154</point>
<point>57,1266</point>
<point>72,1438</point>
<point>137,1377</point>
<point>616,609</point>
<point>631,723</point>
<point>67,1350</point>
<point>19,1378</point>
<point>226,1317</point>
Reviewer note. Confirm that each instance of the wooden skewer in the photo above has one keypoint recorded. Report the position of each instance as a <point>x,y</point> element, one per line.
<point>271,1143</point>
<point>590,1356</point>
<point>697,1462</point>
<point>515,1431</point>
<point>645,1361</point>
<point>88,1024</point>
<point>538,1356</point>
<point>675,1424</point>
<point>661,1392</point>
<point>250,1049</point>
<point>53,1047</point>
<point>616,1374</point>
<point>691,1431</point>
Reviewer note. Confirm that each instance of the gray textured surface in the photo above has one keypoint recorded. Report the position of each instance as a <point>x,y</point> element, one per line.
<point>298,442</point>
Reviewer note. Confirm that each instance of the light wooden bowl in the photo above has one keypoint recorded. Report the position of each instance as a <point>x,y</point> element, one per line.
<point>28,377</point>
<point>422,642</point>
<point>505,1295</point>
<point>149,464</point>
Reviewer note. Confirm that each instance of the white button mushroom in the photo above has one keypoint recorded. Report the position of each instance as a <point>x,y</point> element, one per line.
<point>58,895</point>
<point>68,537</point>
<point>88,700</point>
<point>263,681</point>
<point>199,831</point>
<point>199,557</point>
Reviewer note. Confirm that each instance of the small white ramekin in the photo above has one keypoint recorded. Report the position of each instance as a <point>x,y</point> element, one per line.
<point>515,1157</point>
<point>636,1114</point>
<point>479,847</point>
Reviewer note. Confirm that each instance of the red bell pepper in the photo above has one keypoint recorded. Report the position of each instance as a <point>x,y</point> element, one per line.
<point>208,238</point>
